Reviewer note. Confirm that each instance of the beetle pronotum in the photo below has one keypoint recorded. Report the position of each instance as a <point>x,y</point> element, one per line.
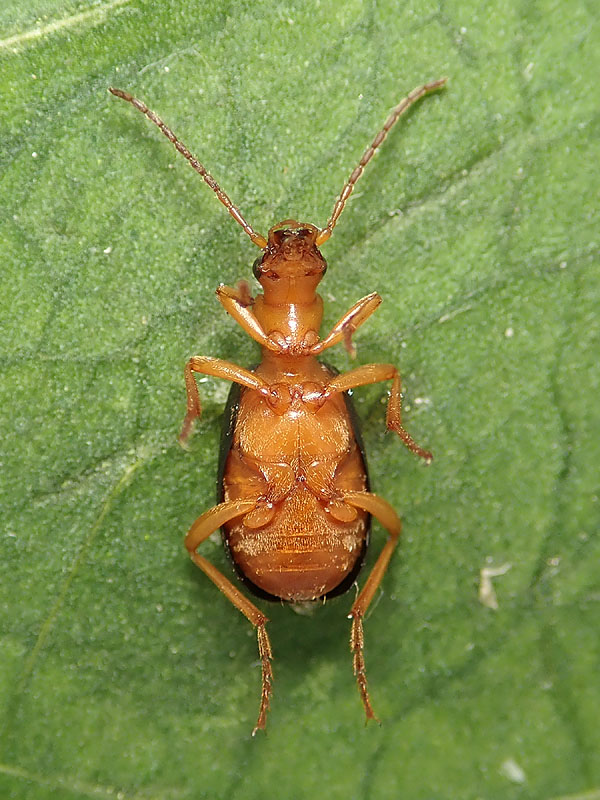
<point>294,501</point>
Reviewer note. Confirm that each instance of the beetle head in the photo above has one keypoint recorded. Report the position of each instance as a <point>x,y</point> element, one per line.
<point>291,253</point>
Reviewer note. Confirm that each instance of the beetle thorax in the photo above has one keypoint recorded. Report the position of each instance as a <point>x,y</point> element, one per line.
<point>289,272</point>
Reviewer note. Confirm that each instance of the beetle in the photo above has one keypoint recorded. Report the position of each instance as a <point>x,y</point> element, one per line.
<point>294,499</point>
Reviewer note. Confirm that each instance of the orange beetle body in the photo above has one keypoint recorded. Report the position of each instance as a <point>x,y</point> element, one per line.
<point>294,500</point>
<point>296,452</point>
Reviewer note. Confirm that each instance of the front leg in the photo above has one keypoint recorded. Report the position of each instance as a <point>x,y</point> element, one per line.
<point>237,302</point>
<point>346,325</point>
<point>373,373</point>
<point>219,369</point>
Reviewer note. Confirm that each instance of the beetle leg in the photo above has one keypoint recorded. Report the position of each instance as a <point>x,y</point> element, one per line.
<point>346,325</point>
<point>236,302</point>
<point>386,515</point>
<point>202,528</point>
<point>374,373</point>
<point>219,369</point>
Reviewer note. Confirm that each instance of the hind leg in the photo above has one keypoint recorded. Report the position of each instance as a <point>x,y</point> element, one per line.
<point>202,528</point>
<point>385,514</point>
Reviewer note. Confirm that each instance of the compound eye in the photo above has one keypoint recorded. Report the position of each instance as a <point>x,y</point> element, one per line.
<point>256,268</point>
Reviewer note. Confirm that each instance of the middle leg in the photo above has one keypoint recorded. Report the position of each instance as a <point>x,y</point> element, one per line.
<point>374,373</point>
<point>218,368</point>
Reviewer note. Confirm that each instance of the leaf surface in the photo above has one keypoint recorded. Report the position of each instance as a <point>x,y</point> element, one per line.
<point>124,672</point>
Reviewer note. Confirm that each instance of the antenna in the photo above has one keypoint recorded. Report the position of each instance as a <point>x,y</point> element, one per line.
<point>258,240</point>
<point>402,106</point>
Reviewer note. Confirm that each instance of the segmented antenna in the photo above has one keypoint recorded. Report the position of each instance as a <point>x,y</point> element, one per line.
<point>258,240</point>
<point>402,106</point>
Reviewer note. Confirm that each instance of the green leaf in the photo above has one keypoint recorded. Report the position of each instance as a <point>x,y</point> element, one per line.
<point>124,672</point>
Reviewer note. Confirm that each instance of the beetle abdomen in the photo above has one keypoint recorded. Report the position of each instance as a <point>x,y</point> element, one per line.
<point>303,553</point>
<point>300,463</point>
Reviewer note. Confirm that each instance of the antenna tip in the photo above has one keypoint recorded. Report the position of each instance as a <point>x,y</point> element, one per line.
<point>120,93</point>
<point>440,83</point>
